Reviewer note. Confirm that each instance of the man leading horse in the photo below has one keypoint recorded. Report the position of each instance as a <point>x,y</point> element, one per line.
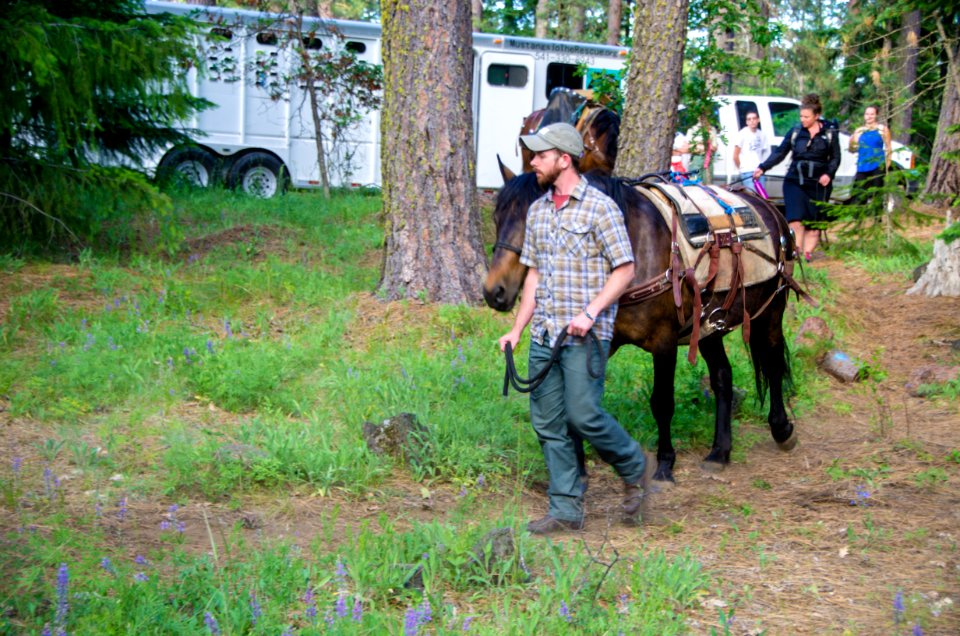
<point>580,261</point>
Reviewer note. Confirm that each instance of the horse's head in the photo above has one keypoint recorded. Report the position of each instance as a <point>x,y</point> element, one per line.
<point>506,274</point>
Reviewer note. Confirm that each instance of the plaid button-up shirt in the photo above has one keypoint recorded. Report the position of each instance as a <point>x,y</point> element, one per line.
<point>574,249</point>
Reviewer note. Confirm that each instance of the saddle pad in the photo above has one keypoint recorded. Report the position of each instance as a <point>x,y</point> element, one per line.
<point>746,223</point>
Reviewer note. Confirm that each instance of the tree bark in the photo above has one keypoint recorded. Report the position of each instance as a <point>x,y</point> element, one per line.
<point>653,86</point>
<point>944,175</point>
<point>910,45</point>
<point>542,18</point>
<point>477,14</point>
<point>942,276</point>
<point>614,16</point>
<point>433,247</point>
<point>577,19</point>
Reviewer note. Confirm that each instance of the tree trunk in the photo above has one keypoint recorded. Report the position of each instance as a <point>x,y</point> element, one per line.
<point>577,19</point>
<point>433,247</point>
<point>542,18</point>
<point>944,175</point>
<point>910,44</point>
<point>614,15</point>
<point>477,14</point>
<point>942,276</point>
<point>653,86</point>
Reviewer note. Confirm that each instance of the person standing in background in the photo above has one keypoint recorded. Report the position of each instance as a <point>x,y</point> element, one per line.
<point>809,181</point>
<point>874,151</point>
<point>750,150</point>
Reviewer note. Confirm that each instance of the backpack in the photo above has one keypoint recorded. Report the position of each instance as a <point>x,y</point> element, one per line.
<point>830,126</point>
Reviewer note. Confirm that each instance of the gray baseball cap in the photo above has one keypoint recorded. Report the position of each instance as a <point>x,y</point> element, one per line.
<point>563,137</point>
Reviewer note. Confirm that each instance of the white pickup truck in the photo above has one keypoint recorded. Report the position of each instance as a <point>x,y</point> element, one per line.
<point>777,116</point>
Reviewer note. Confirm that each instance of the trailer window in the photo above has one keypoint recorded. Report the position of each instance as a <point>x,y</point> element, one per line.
<point>559,74</point>
<point>742,109</point>
<point>785,116</point>
<point>314,44</point>
<point>267,39</point>
<point>220,32</point>
<point>507,75</point>
<point>356,47</point>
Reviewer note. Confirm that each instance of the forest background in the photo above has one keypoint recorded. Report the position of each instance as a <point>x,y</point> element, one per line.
<point>851,52</point>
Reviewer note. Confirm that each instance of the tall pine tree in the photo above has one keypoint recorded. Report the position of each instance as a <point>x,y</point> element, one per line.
<point>85,83</point>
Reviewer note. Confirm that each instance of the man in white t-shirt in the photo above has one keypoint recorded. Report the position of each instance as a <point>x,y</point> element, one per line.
<point>751,149</point>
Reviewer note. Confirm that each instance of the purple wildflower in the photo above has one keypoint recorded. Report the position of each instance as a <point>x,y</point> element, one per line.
<point>46,631</point>
<point>463,491</point>
<point>98,510</point>
<point>227,329</point>
<point>411,622</point>
<point>122,510</point>
<point>113,345</point>
<point>164,525</point>
<point>328,619</point>
<point>209,346</point>
<point>565,612</point>
<point>63,584</point>
<point>17,465</point>
<point>50,483</point>
<point>917,631</point>
<point>481,481</point>
<point>357,610</point>
<point>898,606</point>
<point>341,573</point>
<point>426,614</point>
<point>287,631</point>
<point>141,560</point>
<point>107,565</point>
<point>860,497</point>
<point>140,577</point>
<point>340,608</point>
<point>466,623</point>
<point>310,602</point>
<point>211,623</point>
<point>255,610</point>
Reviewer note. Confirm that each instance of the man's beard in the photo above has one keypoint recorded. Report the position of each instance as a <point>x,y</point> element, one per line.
<point>547,179</point>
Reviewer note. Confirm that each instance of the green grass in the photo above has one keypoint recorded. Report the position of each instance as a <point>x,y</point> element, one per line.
<point>169,360</point>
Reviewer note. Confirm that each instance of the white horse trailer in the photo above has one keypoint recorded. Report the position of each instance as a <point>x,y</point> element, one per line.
<point>254,139</point>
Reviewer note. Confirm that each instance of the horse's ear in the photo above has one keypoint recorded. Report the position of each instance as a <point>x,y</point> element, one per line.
<point>505,172</point>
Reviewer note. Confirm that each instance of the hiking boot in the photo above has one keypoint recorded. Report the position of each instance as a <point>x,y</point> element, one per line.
<point>549,525</point>
<point>632,505</point>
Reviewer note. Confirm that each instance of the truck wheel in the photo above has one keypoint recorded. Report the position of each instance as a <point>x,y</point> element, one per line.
<point>258,174</point>
<point>193,167</point>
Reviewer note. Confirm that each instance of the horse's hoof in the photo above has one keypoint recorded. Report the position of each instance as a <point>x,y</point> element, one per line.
<point>712,467</point>
<point>659,485</point>
<point>790,443</point>
<point>663,477</point>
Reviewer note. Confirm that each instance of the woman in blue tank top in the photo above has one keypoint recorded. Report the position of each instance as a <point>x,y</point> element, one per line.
<point>871,142</point>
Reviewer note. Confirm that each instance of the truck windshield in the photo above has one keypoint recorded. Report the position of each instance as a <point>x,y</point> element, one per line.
<point>785,116</point>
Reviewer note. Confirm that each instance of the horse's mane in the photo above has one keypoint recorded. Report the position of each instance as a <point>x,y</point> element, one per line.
<point>606,126</point>
<point>523,189</point>
<point>625,196</point>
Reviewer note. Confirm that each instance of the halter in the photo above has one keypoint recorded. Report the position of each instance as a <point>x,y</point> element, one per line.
<point>507,246</point>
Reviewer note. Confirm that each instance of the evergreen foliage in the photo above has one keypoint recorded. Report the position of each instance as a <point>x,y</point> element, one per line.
<point>85,81</point>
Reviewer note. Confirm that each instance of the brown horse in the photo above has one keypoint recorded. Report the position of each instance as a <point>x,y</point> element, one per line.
<point>654,324</point>
<point>600,128</point>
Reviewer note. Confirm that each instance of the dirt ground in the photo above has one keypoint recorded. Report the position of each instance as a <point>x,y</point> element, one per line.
<point>795,548</point>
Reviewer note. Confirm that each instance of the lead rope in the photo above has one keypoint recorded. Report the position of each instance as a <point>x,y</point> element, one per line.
<point>526,385</point>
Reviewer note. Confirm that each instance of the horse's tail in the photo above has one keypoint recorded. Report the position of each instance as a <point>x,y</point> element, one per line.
<point>767,355</point>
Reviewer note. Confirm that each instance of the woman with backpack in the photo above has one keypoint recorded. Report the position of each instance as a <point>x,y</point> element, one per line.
<point>809,180</point>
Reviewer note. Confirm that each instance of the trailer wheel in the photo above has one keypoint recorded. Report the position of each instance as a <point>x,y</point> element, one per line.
<point>258,174</point>
<point>194,167</point>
